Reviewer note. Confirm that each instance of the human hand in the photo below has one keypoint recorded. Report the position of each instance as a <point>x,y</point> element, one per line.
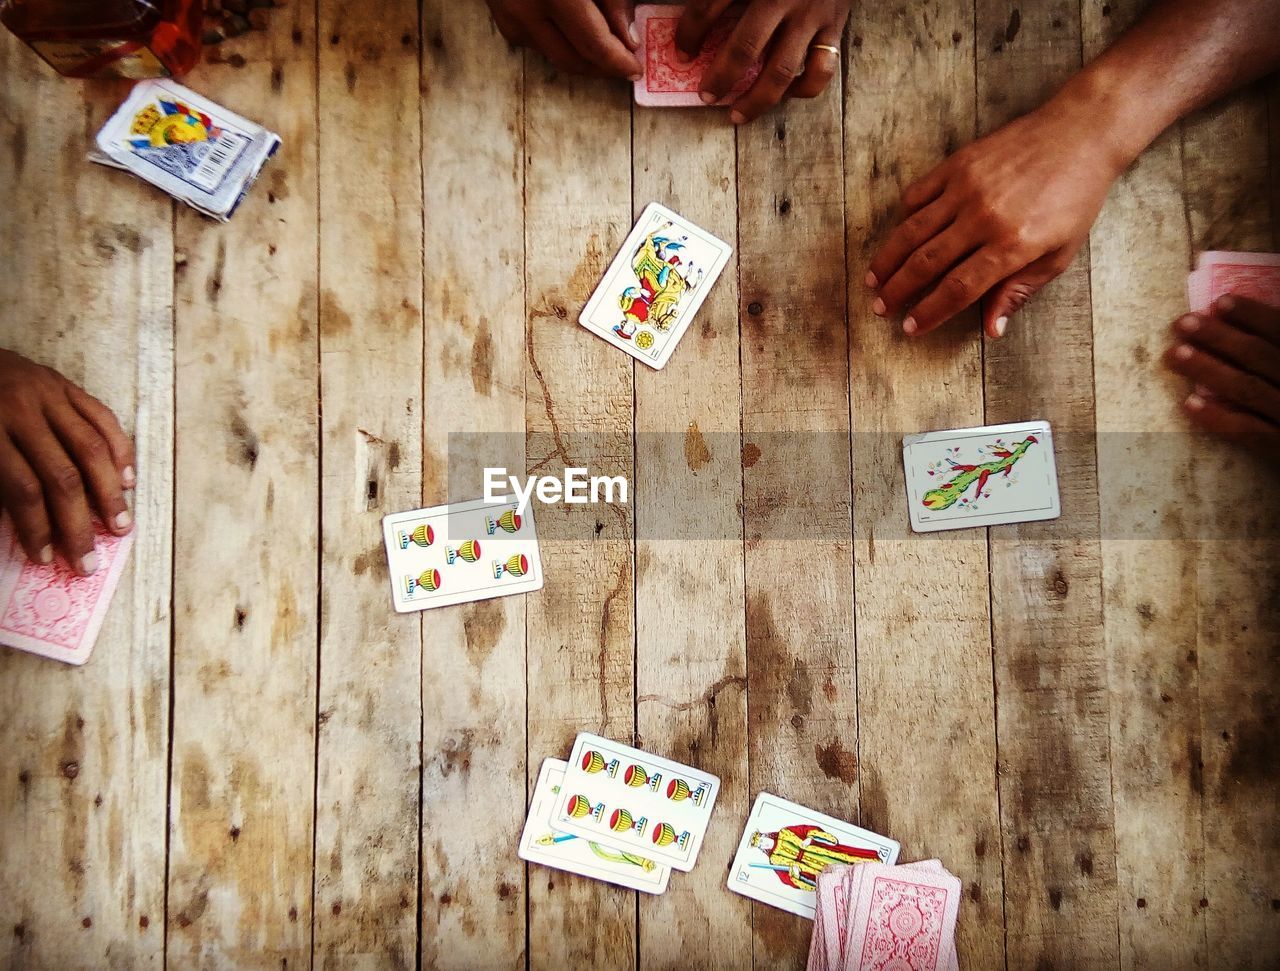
<point>593,37</point>
<point>62,455</point>
<point>790,33</point>
<point>998,219</point>
<point>1232,353</point>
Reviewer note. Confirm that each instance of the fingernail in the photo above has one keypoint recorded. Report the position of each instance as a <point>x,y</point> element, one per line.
<point>129,476</point>
<point>1182,352</point>
<point>707,97</point>
<point>737,117</point>
<point>635,34</point>
<point>635,77</point>
<point>46,555</point>
<point>89,563</point>
<point>1227,303</point>
<point>871,281</point>
<point>682,57</point>
<point>877,307</point>
<point>123,520</point>
<point>909,325</point>
<point>1194,402</point>
<point>1190,323</point>
<point>1002,323</point>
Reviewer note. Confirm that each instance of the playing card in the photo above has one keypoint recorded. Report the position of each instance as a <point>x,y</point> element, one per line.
<point>904,918</point>
<point>630,800</point>
<point>981,476</point>
<point>667,80</point>
<point>188,146</point>
<point>1252,275</point>
<point>542,843</point>
<point>786,846</point>
<point>462,552</point>
<point>655,285</point>
<point>50,610</point>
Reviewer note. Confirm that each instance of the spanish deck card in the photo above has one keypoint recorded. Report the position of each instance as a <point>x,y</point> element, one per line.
<point>543,843</point>
<point>655,285</point>
<point>461,552</point>
<point>629,800</point>
<point>902,916</point>
<point>668,80</point>
<point>186,145</point>
<point>785,846</point>
<point>981,476</point>
<point>1252,275</point>
<point>51,610</point>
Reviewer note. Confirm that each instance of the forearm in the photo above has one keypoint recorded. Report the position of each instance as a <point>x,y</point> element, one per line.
<point>1181,55</point>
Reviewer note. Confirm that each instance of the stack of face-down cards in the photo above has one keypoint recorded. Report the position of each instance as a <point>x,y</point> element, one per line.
<point>618,814</point>
<point>461,552</point>
<point>883,916</point>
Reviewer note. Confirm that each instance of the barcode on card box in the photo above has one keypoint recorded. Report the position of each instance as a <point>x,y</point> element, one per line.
<point>220,160</point>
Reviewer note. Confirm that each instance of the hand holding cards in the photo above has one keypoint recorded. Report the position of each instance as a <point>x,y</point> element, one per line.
<point>668,80</point>
<point>51,610</point>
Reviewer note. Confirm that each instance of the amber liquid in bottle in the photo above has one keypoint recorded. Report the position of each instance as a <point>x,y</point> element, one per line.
<point>109,38</point>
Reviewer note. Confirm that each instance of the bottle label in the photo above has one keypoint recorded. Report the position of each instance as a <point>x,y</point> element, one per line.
<point>101,58</point>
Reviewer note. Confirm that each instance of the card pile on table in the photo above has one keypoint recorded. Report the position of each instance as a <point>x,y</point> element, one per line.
<point>192,148</point>
<point>618,814</point>
<point>882,916</point>
<point>1252,275</point>
<point>51,610</point>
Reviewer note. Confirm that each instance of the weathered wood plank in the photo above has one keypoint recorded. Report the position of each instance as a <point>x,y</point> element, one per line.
<point>243,777</point>
<point>473,686</point>
<point>1226,173</point>
<point>87,288</point>
<point>368,762</point>
<point>1050,660</point>
<point>799,559</point>
<point>927,769</point>
<point>1139,258</point>
<point>691,675</point>
<point>579,413</point>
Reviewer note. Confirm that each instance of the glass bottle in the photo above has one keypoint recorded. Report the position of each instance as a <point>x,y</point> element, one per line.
<point>109,38</point>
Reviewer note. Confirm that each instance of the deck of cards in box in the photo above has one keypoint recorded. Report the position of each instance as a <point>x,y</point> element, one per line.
<point>192,148</point>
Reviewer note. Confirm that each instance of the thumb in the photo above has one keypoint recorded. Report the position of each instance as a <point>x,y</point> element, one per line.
<point>620,15</point>
<point>1009,295</point>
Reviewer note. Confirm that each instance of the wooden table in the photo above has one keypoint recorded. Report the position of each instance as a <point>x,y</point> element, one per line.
<point>263,766</point>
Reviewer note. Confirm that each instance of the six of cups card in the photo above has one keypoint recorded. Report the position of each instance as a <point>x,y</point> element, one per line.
<point>631,800</point>
<point>655,285</point>
<point>543,843</point>
<point>457,553</point>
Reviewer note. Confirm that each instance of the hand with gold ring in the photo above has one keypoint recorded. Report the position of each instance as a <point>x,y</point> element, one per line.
<point>798,41</point>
